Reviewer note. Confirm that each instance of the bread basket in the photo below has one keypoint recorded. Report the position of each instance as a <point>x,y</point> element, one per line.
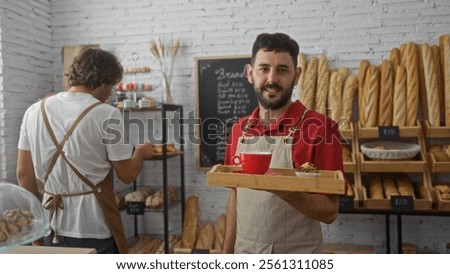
<point>390,150</point>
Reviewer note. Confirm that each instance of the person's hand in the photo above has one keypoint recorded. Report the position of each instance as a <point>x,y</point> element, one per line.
<point>145,150</point>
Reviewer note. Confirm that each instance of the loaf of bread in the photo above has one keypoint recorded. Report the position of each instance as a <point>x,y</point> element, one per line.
<point>404,185</point>
<point>205,239</point>
<point>219,231</point>
<point>432,93</point>
<point>135,196</point>
<point>395,60</point>
<point>155,201</point>
<point>302,64</point>
<point>363,66</point>
<point>190,225</point>
<point>443,188</point>
<point>371,96</point>
<point>335,96</point>
<point>399,102</point>
<point>309,83</point>
<point>444,46</point>
<point>412,84</point>
<point>344,71</point>
<point>350,87</point>
<point>389,186</point>
<point>386,94</point>
<point>441,156</point>
<point>440,83</point>
<point>323,85</point>
<point>375,186</point>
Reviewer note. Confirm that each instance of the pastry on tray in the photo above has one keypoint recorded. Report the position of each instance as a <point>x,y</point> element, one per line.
<point>307,170</point>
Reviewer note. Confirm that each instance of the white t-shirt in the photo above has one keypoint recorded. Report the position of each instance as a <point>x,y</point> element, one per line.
<point>96,140</point>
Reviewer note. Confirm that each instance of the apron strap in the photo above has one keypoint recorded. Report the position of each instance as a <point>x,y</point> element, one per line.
<point>58,145</point>
<point>244,134</point>
<point>294,128</point>
<point>55,201</point>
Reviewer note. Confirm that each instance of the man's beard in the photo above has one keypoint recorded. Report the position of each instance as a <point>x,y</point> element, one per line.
<point>286,96</point>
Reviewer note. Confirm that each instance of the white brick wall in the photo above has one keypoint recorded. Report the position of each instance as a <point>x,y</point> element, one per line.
<point>345,30</point>
<point>26,69</point>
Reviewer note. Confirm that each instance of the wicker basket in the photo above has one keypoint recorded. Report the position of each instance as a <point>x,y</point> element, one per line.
<point>390,150</point>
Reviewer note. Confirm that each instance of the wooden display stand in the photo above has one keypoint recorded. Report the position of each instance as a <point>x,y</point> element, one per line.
<point>415,165</point>
<point>351,170</point>
<point>436,166</point>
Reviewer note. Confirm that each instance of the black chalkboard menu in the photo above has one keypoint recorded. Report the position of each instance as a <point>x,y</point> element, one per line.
<point>223,96</point>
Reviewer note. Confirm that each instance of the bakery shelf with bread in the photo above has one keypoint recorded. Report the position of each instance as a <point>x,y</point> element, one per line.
<point>378,188</point>
<point>439,157</point>
<point>441,195</point>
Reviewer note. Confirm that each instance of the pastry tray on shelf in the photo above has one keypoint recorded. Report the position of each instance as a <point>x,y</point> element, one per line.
<point>436,166</point>
<point>331,182</point>
<point>414,165</point>
<point>443,205</point>
<point>420,203</point>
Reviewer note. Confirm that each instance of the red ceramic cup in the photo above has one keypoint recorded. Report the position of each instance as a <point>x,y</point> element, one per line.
<point>255,162</point>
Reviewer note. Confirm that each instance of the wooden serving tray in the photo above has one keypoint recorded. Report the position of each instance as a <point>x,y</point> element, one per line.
<point>331,182</point>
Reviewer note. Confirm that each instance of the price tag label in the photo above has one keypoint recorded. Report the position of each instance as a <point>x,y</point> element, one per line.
<point>402,203</point>
<point>135,208</point>
<point>389,133</point>
<point>346,203</point>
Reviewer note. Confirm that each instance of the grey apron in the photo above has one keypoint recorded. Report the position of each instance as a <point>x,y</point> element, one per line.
<point>265,222</point>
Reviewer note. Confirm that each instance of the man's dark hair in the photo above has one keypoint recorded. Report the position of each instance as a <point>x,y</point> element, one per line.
<point>94,67</point>
<point>277,42</point>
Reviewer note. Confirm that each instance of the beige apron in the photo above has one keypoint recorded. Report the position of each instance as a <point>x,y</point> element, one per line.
<point>266,223</point>
<point>103,191</point>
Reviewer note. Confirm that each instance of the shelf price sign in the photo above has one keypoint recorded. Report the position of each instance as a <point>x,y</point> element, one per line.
<point>391,133</point>
<point>402,203</point>
<point>135,208</point>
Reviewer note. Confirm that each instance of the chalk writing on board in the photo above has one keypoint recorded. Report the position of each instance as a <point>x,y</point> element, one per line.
<point>224,95</point>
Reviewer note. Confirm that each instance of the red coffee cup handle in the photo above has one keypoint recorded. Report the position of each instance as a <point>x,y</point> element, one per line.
<point>236,160</point>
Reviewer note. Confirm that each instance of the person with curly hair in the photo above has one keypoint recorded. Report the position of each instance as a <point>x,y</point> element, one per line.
<point>70,141</point>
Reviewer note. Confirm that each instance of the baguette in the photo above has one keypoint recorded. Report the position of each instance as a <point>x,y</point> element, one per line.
<point>399,106</point>
<point>206,237</point>
<point>350,87</point>
<point>344,71</point>
<point>323,85</point>
<point>395,60</point>
<point>439,76</point>
<point>375,187</point>
<point>302,64</point>
<point>412,84</point>
<point>390,187</point>
<point>444,46</point>
<point>190,225</point>
<point>219,230</point>
<point>371,95</point>
<point>404,185</point>
<point>363,66</point>
<point>432,93</point>
<point>386,94</point>
<point>335,96</point>
<point>309,84</point>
